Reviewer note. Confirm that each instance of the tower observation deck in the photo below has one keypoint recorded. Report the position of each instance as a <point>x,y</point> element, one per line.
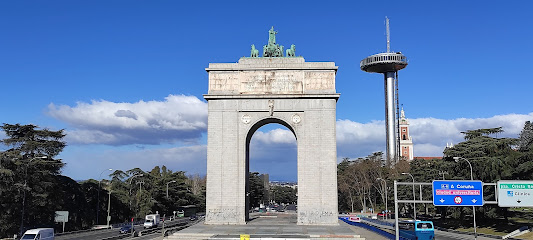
<point>388,63</point>
<point>384,62</point>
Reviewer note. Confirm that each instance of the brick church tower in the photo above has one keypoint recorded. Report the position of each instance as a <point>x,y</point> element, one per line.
<point>406,142</point>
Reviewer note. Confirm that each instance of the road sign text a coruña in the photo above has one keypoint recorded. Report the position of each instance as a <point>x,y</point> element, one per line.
<point>457,193</point>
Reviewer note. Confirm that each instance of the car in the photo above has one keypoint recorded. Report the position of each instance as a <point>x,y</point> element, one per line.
<point>389,215</point>
<point>193,218</point>
<point>126,229</point>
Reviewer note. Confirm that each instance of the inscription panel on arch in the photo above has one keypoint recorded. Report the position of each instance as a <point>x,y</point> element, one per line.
<point>271,82</point>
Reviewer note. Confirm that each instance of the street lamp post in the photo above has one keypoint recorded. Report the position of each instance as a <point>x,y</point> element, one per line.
<point>414,199</point>
<point>386,201</point>
<point>108,207</point>
<point>471,178</point>
<point>173,181</point>
<point>139,194</point>
<point>135,175</point>
<point>98,196</point>
<point>442,173</point>
<point>24,192</point>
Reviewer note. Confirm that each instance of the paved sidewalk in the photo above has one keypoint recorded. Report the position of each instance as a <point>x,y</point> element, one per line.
<point>275,226</point>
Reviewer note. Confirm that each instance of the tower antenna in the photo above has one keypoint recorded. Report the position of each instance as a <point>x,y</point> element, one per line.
<point>388,64</point>
<point>388,33</point>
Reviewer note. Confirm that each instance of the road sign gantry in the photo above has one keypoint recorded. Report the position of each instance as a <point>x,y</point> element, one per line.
<point>457,193</point>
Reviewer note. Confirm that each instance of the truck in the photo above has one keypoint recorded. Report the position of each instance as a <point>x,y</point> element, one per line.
<point>151,220</point>
<point>39,234</point>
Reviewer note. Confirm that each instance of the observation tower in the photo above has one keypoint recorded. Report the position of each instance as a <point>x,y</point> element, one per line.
<point>388,63</point>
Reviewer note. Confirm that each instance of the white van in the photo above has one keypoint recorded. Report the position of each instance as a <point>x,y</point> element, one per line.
<point>151,220</point>
<point>39,234</point>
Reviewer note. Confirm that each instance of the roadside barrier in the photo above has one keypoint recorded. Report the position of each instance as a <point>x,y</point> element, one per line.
<point>370,228</point>
<point>117,225</point>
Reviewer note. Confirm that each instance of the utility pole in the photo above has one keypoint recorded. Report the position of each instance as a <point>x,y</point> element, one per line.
<point>108,207</point>
<point>98,195</point>
<point>139,195</point>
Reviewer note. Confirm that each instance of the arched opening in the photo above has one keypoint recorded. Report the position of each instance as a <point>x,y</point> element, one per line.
<point>271,156</point>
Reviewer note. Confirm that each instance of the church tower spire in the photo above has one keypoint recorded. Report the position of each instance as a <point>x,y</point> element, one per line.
<point>406,142</point>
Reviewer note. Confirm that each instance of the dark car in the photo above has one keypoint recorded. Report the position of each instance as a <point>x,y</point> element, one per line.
<point>193,218</point>
<point>126,229</point>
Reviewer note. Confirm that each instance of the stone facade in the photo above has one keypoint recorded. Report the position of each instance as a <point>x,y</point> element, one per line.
<point>406,142</point>
<point>246,95</point>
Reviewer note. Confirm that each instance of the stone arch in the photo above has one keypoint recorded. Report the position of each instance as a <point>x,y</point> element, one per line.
<point>267,120</point>
<point>253,128</point>
<point>246,95</point>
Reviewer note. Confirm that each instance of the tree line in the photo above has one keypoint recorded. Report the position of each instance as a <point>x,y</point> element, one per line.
<point>32,188</point>
<point>258,194</point>
<point>362,182</point>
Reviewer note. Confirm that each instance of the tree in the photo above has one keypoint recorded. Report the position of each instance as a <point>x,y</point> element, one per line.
<point>257,189</point>
<point>492,159</point>
<point>69,196</point>
<point>284,194</point>
<point>525,141</point>
<point>357,182</point>
<point>28,177</point>
<point>524,168</point>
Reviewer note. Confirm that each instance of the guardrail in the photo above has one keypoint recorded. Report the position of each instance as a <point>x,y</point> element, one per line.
<point>377,221</point>
<point>117,225</point>
<point>81,231</point>
<point>175,228</point>
<point>177,223</point>
<point>370,228</point>
<point>170,227</point>
<point>471,233</point>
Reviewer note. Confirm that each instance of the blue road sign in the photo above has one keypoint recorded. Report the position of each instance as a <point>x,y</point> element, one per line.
<point>457,193</point>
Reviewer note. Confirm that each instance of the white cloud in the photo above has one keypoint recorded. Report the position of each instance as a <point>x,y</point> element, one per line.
<point>191,159</point>
<point>430,135</point>
<point>177,118</point>
<point>359,139</point>
<point>184,119</point>
<point>275,136</point>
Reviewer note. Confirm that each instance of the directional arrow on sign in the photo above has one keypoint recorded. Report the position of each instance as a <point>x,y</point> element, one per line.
<point>518,201</point>
<point>459,193</point>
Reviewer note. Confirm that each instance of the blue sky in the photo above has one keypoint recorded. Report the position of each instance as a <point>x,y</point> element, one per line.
<point>125,79</point>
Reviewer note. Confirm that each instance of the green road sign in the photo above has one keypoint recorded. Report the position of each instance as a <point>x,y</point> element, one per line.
<point>515,193</point>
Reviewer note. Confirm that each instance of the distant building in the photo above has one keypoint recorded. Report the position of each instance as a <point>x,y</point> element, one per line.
<point>406,142</point>
<point>266,180</point>
<point>292,185</point>
<point>266,187</point>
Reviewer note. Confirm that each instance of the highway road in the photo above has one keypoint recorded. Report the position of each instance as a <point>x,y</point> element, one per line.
<point>97,234</point>
<point>109,234</point>
<point>438,234</point>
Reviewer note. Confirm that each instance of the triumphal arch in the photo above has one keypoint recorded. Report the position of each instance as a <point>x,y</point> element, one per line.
<point>256,91</point>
